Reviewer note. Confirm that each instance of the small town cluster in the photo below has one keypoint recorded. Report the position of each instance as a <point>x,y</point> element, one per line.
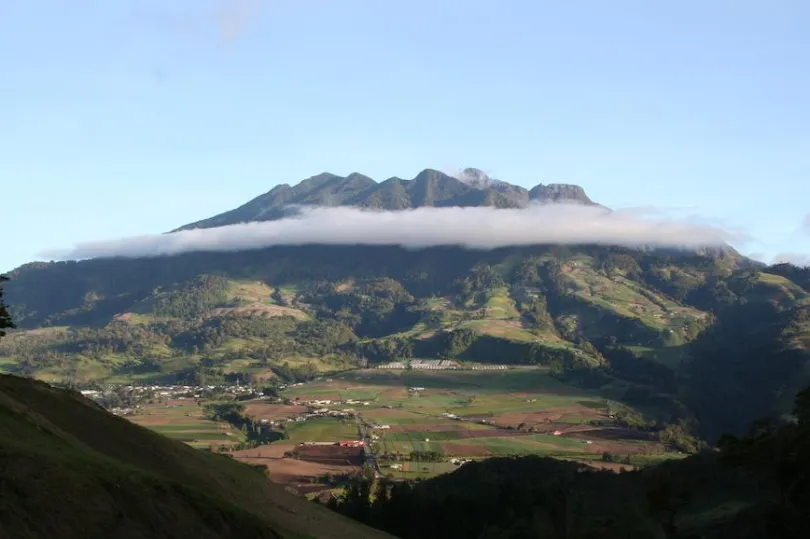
<point>439,365</point>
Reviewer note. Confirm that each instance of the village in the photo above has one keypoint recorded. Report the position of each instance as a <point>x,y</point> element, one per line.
<point>125,399</point>
<point>439,365</point>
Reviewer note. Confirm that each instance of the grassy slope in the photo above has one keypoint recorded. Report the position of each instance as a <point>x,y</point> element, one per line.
<point>71,469</point>
<point>497,316</point>
<point>598,304</point>
<point>628,299</point>
<point>251,299</point>
<point>779,289</point>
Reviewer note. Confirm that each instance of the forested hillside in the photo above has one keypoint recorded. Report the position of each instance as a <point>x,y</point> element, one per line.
<point>654,329</point>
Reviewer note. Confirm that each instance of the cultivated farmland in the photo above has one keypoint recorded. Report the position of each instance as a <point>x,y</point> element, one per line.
<point>182,419</point>
<point>322,429</point>
<point>415,423</point>
<point>414,415</point>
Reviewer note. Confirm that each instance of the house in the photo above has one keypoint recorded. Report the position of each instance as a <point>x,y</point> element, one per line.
<point>351,443</point>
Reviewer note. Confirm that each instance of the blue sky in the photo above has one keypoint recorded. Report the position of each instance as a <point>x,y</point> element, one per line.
<point>125,117</point>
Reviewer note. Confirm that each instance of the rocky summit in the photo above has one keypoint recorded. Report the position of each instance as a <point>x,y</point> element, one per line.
<point>470,187</point>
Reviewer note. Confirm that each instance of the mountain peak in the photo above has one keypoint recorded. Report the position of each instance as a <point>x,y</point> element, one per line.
<point>431,174</point>
<point>560,193</point>
<point>431,187</point>
<point>474,176</point>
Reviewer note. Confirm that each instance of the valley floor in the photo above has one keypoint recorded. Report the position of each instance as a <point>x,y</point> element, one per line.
<point>411,424</point>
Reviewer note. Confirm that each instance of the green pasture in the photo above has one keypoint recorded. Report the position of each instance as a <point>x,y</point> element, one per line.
<point>464,393</point>
<point>322,429</point>
<point>419,470</point>
<point>332,390</point>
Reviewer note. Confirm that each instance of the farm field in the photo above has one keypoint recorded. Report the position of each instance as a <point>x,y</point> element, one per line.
<point>406,413</point>
<point>273,412</point>
<point>500,443</point>
<point>507,397</point>
<point>477,414</point>
<point>419,470</point>
<point>183,420</point>
<point>296,473</point>
<point>322,429</point>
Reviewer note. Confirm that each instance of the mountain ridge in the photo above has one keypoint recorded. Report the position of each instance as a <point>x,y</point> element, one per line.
<point>428,188</point>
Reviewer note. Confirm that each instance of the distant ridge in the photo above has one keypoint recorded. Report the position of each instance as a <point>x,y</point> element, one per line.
<point>430,187</point>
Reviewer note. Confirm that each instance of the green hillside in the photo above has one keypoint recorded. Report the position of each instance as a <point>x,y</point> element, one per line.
<point>619,318</point>
<point>655,329</point>
<point>72,470</point>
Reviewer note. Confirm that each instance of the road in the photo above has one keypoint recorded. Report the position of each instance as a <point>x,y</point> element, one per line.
<point>365,435</point>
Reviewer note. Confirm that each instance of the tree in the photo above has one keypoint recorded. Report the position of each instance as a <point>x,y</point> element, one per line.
<point>667,495</point>
<point>778,455</point>
<point>5,316</point>
<point>802,409</point>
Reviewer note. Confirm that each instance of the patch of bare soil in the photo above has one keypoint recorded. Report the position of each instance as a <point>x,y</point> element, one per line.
<point>543,418</point>
<point>289,471</point>
<point>530,419</point>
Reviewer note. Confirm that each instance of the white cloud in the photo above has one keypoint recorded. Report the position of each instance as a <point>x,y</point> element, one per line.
<point>470,176</point>
<point>806,224</point>
<point>480,227</point>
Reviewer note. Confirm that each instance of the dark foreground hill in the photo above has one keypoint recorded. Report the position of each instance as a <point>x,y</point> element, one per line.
<point>69,469</point>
